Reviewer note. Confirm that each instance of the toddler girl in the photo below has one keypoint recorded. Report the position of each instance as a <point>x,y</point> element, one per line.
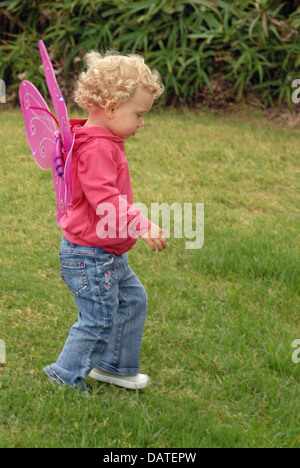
<point>102,224</point>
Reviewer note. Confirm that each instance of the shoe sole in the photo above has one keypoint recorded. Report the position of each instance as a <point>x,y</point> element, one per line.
<point>119,381</point>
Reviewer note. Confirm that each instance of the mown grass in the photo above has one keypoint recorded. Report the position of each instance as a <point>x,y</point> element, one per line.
<point>221,321</point>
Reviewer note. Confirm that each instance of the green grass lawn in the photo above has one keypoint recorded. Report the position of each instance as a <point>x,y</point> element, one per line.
<point>221,319</point>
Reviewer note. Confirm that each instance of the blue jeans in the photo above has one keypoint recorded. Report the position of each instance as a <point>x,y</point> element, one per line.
<point>112,307</point>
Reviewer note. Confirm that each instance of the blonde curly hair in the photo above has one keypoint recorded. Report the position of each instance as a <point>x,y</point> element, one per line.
<point>112,78</point>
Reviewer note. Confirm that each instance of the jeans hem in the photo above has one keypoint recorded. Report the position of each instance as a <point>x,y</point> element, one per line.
<point>124,371</point>
<point>58,376</point>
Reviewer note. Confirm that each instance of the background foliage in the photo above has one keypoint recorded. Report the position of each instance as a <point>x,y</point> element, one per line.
<point>205,49</point>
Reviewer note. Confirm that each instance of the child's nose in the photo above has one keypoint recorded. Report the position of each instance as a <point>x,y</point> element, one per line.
<point>141,124</point>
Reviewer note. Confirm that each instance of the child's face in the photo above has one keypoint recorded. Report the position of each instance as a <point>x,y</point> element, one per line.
<point>127,118</point>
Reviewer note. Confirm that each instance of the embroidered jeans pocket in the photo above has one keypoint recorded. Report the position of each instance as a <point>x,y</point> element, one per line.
<point>74,275</point>
<point>110,277</point>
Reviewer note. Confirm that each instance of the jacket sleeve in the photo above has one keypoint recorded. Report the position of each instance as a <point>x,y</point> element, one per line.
<point>98,173</point>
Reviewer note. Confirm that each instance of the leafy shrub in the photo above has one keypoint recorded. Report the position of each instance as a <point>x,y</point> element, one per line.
<point>200,47</point>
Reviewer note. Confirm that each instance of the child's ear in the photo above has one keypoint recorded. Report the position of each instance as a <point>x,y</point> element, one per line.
<point>110,110</point>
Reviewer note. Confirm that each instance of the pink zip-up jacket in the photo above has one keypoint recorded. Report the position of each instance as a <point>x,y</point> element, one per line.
<point>102,213</point>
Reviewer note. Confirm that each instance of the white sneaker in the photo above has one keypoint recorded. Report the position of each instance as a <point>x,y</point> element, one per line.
<point>134,382</point>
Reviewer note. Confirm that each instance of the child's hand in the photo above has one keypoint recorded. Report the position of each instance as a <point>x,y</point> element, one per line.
<point>154,238</point>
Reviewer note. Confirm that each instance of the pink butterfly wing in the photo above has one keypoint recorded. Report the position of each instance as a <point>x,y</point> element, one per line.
<point>40,126</point>
<point>57,98</point>
<point>65,192</point>
<point>42,134</point>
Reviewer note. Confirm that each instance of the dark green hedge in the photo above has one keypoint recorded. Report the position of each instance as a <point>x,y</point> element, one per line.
<point>231,48</point>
